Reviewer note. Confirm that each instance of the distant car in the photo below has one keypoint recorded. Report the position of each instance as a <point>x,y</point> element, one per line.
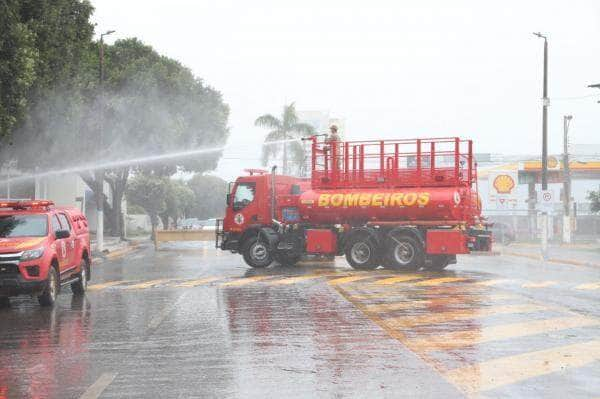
<point>191,224</point>
<point>503,233</point>
<point>41,249</point>
<point>209,224</point>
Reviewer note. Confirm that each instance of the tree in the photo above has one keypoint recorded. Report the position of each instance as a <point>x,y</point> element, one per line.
<point>284,129</point>
<point>41,47</point>
<point>149,192</point>
<point>179,200</point>
<point>209,196</point>
<point>594,197</point>
<point>152,105</point>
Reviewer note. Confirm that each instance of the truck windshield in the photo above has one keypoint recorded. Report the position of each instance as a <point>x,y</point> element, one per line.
<point>23,226</point>
<point>244,194</point>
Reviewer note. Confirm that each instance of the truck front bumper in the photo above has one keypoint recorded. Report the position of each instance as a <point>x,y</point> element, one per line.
<point>16,285</point>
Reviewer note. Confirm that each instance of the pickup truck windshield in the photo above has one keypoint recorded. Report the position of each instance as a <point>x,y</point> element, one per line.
<point>23,226</point>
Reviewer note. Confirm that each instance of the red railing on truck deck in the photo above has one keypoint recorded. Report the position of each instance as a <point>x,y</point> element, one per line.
<point>440,162</point>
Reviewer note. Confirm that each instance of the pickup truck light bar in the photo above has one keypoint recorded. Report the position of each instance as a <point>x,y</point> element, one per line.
<point>27,204</point>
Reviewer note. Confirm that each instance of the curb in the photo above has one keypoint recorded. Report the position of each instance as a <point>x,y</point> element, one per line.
<point>552,260</point>
<point>116,254</point>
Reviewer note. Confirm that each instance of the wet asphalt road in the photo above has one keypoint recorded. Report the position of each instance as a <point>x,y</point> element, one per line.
<point>187,322</point>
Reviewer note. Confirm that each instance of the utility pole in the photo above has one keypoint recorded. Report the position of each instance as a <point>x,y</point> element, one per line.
<point>566,181</point>
<point>545,104</point>
<point>99,173</point>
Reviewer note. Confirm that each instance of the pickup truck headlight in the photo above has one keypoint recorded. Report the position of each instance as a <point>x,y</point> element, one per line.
<point>32,254</point>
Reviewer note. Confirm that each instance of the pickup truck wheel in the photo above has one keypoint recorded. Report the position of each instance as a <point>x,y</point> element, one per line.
<point>50,293</point>
<point>361,253</point>
<point>257,253</point>
<point>438,262</point>
<point>404,253</point>
<point>80,286</point>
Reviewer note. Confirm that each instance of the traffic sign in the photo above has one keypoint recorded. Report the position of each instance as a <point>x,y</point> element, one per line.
<point>547,201</point>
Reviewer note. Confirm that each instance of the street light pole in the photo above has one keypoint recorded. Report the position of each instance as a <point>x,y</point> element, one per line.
<point>545,104</point>
<point>566,181</point>
<point>99,174</point>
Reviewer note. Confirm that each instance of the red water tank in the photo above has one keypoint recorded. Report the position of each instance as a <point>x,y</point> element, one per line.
<point>401,204</point>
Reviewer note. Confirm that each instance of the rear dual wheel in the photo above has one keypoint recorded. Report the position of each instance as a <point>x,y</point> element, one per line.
<point>404,253</point>
<point>362,253</point>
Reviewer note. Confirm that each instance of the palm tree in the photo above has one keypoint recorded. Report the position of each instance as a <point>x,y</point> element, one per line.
<point>283,129</point>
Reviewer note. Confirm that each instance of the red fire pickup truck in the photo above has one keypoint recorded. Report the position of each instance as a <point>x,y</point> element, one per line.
<point>42,248</point>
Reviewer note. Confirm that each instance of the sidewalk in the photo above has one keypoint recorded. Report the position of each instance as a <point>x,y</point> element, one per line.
<point>115,247</point>
<point>574,254</point>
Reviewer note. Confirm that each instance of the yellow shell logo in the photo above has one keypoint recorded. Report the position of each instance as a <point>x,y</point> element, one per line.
<point>504,184</point>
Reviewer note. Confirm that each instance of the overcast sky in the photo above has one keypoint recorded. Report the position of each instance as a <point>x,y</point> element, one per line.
<point>391,69</point>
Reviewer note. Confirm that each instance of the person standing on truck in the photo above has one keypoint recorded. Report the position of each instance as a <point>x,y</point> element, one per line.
<point>333,134</point>
<point>333,140</point>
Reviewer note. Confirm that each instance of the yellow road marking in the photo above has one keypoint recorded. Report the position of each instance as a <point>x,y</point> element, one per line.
<point>462,314</point>
<point>541,284</point>
<point>488,283</point>
<point>343,280</point>
<point>106,285</point>
<point>194,283</point>
<point>495,333</point>
<point>590,286</point>
<point>243,281</point>
<point>294,280</point>
<point>394,280</point>
<point>147,284</point>
<point>438,281</point>
<point>496,373</point>
<point>387,307</point>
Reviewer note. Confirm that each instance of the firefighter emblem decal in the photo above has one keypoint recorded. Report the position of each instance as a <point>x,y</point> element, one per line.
<point>238,218</point>
<point>504,184</point>
<point>456,198</point>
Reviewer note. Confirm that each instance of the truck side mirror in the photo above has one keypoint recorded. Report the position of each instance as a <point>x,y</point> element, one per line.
<point>228,199</point>
<point>60,234</point>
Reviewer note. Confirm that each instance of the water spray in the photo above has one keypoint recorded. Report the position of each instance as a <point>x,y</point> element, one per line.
<point>129,162</point>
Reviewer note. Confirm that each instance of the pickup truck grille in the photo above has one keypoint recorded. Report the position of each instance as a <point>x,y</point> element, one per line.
<point>10,258</point>
<point>9,269</point>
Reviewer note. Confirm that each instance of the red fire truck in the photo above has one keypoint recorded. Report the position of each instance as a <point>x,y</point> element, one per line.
<point>401,204</point>
<point>42,248</point>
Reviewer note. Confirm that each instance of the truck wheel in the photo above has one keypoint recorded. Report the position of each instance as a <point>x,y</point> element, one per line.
<point>80,286</point>
<point>438,262</point>
<point>50,293</point>
<point>286,259</point>
<point>257,253</point>
<point>404,253</point>
<point>361,253</point>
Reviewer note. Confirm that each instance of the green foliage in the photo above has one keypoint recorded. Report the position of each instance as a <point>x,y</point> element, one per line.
<point>150,193</point>
<point>284,128</point>
<point>41,46</point>
<point>594,197</point>
<point>179,200</point>
<point>209,196</point>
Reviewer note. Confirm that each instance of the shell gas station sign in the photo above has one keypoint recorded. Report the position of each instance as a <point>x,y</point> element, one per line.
<point>503,189</point>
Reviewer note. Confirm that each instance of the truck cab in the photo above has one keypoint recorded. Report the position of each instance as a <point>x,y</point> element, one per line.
<point>42,248</point>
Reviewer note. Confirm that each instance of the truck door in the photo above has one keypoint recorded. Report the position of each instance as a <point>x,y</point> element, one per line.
<point>70,242</point>
<point>245,205</point>
<point>60,245</point>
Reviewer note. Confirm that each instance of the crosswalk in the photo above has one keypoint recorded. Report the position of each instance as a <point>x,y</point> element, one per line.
<point>333,279</point>
<point>481,334</point>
